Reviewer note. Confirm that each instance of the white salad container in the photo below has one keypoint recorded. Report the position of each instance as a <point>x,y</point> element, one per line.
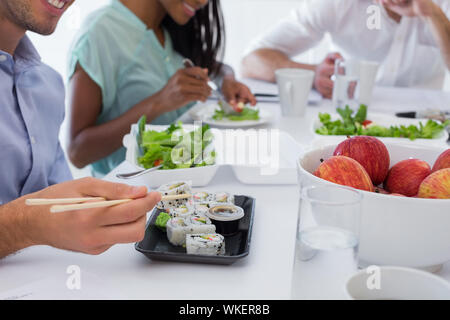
<point>197,177</point>
<point>382,120</point>
<point>262,172</point>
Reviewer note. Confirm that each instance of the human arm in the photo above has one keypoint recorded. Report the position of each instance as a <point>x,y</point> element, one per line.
<point>89,231</point>
<point>440,26</point>
<point>432,13</point>
<point>262,64</point>
<point>301,31</point>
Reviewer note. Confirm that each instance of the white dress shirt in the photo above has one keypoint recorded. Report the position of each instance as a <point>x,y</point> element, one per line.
<point>406,51</point>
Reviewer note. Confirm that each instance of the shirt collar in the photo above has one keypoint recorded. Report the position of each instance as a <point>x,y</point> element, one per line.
<point>388,18</point>
<point>26,51</point>
<point>168,46</point>
<point>129,14</point>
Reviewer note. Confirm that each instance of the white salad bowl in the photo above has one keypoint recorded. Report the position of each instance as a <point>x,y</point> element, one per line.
<point>409,232</point>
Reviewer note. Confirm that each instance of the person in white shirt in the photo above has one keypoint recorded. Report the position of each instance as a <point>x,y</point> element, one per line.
<point>409,38</point>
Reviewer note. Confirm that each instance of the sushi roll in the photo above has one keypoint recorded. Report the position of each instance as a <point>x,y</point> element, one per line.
<point>201,208</point>
<point>200,228</point>
<point>199,220</point>
<point>223,197</point>
<point>176,231</point>
<point>202,196</point>
<point>182,211</point>
<point>212,244</point>
<point>178,228</point>
<point>174,188</point>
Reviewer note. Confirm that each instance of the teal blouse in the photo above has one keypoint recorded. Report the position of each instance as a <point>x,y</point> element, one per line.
<point>128,63</point>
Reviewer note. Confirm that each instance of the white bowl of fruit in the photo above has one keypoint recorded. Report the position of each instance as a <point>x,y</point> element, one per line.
<point>406,197</point>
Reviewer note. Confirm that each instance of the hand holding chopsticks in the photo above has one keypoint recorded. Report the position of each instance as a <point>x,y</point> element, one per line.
<point>90,231</point>
<point>71,204</point>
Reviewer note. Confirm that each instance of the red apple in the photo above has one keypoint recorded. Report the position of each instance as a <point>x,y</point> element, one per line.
<point>397,195</point>
<point>345,171</point>
<point>406,176</point>
<point>436,185</point>
<point>370,152</point>
<point>443,161</point>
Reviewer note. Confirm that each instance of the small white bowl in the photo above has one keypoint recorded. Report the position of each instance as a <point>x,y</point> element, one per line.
<point>396,283</point>
<point>395,231</point>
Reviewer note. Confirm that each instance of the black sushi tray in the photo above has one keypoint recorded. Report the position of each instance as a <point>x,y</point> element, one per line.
<point>155,245</point>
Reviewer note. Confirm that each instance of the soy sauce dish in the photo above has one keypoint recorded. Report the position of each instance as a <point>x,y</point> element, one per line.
<point>225,217</point>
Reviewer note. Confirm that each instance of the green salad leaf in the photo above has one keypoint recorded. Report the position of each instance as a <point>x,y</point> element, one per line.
<point>246,114</point>
<point>174,148</point>
<point>351,125</point>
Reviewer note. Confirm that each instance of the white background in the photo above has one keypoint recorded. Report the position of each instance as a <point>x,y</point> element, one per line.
<point>245,19</point>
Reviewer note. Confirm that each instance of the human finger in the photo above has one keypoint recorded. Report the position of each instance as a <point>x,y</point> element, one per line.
<point>246,96</point>
<point>332,57</point>
<point>128,212</point>
<point>109,190</point>
<point>326,71</point>
<point>196,90</point>
<point>197,72</point>
<point>124,233</point>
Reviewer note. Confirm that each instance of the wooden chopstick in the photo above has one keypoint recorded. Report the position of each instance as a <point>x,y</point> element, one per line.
<point>44,202</point>
<point>71,204</point>
<point>176,197</point>
<point>87,205</point>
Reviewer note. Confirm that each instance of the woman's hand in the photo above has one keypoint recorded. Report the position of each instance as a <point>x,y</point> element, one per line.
<point>236,93</point>
<point>186,85</point>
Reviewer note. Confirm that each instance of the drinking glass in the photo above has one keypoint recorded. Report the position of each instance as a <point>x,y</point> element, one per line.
<point>367,71</point>
<point>327,238</point>
<point>346,85</point>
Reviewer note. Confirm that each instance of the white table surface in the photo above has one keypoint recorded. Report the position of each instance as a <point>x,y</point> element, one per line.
<point>264,274</point>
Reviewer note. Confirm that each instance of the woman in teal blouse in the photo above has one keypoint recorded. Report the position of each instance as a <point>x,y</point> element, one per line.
<point>127,61</point>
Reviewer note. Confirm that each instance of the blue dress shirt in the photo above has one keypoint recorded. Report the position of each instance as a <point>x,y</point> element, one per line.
<point>32,109</point>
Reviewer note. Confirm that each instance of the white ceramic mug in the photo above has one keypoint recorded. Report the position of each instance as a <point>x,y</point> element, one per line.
<point>294,86</point>
<point>396,283</point>
<point>366,71</point>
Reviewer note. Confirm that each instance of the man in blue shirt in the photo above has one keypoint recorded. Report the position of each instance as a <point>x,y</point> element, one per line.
<point>33,163</point>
